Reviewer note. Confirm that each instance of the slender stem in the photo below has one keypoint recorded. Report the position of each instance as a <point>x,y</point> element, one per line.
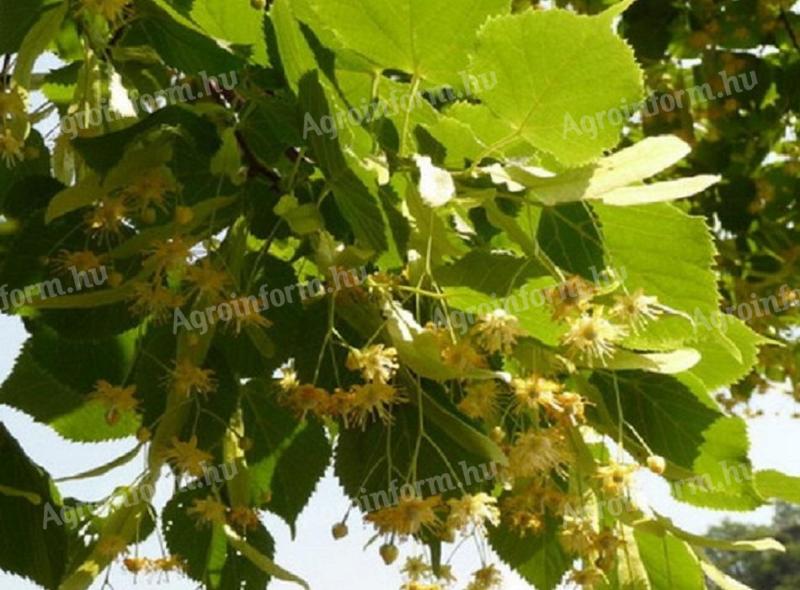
<point>415,81</point>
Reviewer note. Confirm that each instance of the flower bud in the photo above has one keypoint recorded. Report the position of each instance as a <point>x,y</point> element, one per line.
<point>656,464</point>
<point>389,553</point>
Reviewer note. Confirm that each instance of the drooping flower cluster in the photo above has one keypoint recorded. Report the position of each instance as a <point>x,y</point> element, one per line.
<point>598,322</point>
<point>357,405</point>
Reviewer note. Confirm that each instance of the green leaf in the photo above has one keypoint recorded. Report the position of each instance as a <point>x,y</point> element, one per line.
<point>680,422</point>
<point>202,546</point>
<point>357,201</point>
<point>677,267</point>
<point>264,563</point>
<point>31,544</point>
<point>615,179</point>
<point>17,19</point>
<point>490,272</point>
<point>668,363</point>
<point>423,38</point>
<point>670,563</point>
<point>179,42</point>
<point>362,468</point>
<point>548,64</point>
<point>234,22</point>
<point>297,58</point>
<point>52,378</point>
<point>720,578</point>
<point>720,366</point>
<point>131,520</point>
<point>37,40</point>
<point>773,484</point>
<point>288,457</point>
<point>105,151</point>
<point>240,573</point>
<point>539,559</point>
<point>569,235</point>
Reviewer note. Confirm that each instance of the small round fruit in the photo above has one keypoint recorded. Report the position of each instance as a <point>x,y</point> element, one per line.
<point>143,434</point>
<point>339,530</point>
<point>183,215</point>
<point>389,553</point>
<point>656,464</point>
<point>258,4</point>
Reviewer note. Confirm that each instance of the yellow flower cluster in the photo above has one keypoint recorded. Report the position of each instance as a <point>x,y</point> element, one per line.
<point>596,324</point>
<point>186,379</point>
<point>138,565</point>
<point>187,458</point>
<point>14,125</point>
<point>356,405</point>
<point>116,399</point>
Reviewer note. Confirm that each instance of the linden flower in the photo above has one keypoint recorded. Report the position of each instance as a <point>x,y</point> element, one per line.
<point>374,400</point>
<point>136,565</point>
<point>472,511</point>
<point>636,309</point>
<point>415,568</point>
<point>169,255</point>
<point>151,188</point>
<point>187,379</point>
<point>116,399</point>
<point>615,478</point>
<point>577,535</point>
<point>420,586</point>
<point>486,578</point>
<point>81,261</point>
<point>107,217</point>
<point>593,336</point>
<point>535,392</point>
<point>534,454</point>
<point>11,149</point>
<point>111,10</point>
<point>480,401</point>
<point>288,379</point>
<point>497,332</point>
<point>247,312</point>
<point>463,356</point>
<point>207,280</point>
<point>208,510</point>
<point>168,564</point>
<point>375,362</point>
<point>525,522</point>
<point>571,408</point>
<point>571,297</point>
<point>589,577</point>
<point>155,300</point>
<point>243,518</point>
<point>111,545</point>
<point>446,574</point>
<point>186,457</point>
<point>308,398</point>
<point>409,517</point>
